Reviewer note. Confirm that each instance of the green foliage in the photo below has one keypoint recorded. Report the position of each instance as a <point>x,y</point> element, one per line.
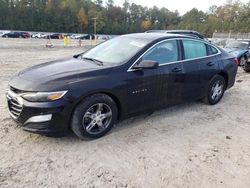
<point>77,16</point>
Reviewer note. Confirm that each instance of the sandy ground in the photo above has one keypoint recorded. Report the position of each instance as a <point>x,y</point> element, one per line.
<point>190,145</point>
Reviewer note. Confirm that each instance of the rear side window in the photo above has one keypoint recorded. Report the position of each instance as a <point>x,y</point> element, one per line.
<point>165,52</point>
<point>211,50</point>
<point>194,49</point>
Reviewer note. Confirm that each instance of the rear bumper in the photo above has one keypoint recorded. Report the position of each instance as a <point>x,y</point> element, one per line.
<point>46,118</point>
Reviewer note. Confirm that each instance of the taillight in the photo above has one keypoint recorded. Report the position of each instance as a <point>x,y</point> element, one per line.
<point>236,61</point>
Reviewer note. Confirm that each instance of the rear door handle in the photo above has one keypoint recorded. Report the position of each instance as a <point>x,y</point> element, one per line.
<point>176,69</point>
<point>210,64</point>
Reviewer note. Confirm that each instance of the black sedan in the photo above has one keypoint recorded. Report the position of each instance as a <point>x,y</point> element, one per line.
<point>117,79</point>
<point>15,34</point>
<point>55,36</point>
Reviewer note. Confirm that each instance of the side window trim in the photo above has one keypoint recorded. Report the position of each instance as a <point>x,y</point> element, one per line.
<point>183,60</point>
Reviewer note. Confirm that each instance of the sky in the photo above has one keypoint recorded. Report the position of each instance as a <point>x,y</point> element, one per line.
<point>181,5</point>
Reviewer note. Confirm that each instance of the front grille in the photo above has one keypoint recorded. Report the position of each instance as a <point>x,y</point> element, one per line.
<point>15,107</point>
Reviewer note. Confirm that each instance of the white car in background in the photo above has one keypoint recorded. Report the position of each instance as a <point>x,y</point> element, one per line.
<point>75,36</point>
<point>38,35</point>
<point>3,32</point>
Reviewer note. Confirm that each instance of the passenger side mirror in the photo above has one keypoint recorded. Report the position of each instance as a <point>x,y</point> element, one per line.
<point>146,64</point>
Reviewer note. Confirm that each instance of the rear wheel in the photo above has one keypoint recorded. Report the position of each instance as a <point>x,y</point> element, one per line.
<point>215,90</point>
<point>94,116</point>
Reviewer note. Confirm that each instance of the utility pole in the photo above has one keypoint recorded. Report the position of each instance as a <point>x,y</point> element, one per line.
<point>95,27</point>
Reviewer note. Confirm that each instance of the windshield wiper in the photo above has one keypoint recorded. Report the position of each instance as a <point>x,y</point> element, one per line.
<point>98,62</point>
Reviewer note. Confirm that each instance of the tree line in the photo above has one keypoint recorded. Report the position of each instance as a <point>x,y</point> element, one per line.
<point>76,16</point>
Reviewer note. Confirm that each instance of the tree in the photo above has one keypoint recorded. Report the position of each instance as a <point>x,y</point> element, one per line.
<point>76,16</point>
<point>82,19</point>
<point>145,25</point>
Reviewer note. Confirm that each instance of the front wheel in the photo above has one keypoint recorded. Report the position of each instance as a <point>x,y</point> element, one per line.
<point>215,90</point>
<point>94,116</point>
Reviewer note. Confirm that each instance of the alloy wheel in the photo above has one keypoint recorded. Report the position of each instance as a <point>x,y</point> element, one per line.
<point>217,91</point>
<point>97,118</point>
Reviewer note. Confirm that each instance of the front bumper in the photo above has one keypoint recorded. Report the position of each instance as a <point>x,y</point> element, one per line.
<point>46,118</point>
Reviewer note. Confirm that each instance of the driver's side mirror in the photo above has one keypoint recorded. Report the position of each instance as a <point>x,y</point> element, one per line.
<point>146,64</point>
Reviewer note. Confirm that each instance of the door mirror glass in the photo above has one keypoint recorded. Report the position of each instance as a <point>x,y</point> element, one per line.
<point>146,64</point>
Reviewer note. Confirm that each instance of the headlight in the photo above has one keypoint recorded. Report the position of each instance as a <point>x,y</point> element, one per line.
<point>43,96</point>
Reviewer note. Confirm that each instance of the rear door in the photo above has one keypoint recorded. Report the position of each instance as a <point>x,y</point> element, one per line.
<point>200,65</point>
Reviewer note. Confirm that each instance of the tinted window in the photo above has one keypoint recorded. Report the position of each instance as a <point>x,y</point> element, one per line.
<point>165,52</point>
<point>194,49</point>
<point>212,50</point>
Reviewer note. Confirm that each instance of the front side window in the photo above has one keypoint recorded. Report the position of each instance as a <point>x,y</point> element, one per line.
<point>194,49</point>
<point>162,53</point>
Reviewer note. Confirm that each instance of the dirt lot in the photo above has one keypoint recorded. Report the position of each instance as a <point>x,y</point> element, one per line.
<point>190,145</point>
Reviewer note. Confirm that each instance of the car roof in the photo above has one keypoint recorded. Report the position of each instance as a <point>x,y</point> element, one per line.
<point>157,36</point>
<point>172,31</point>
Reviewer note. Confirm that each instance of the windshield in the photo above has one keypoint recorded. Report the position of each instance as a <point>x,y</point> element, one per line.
<point>116,51</point>
<point>241,45</point>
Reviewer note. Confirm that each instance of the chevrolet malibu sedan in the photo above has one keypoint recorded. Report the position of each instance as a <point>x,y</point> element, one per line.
<point>120,78</point>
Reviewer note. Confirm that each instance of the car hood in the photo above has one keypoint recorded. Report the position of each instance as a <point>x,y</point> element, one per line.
<point>53,75</point>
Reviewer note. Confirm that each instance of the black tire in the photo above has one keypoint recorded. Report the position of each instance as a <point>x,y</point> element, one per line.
<point>246,68</point>
<point>213,96</point>
<point>79,116</point>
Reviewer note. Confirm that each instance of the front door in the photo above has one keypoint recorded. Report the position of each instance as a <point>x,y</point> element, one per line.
<point>149,89</point>
<point>142,90</point>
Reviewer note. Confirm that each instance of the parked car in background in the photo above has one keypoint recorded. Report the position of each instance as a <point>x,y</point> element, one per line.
<point>247,65</point>
<point>38,35</point>
<point>221,42</point>
<point>191,33</point>
<point>239,49</point>
<point>55,36</point>
<point>103,37</point>
<point>3,32</point>
<point>15,34</point>
<point>75,36</point>
<point>87,37</point>
<point>119,78</point>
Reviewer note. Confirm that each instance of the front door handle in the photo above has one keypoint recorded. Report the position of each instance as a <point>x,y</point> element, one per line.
<point>210,64</point>
<point>176,69</point>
